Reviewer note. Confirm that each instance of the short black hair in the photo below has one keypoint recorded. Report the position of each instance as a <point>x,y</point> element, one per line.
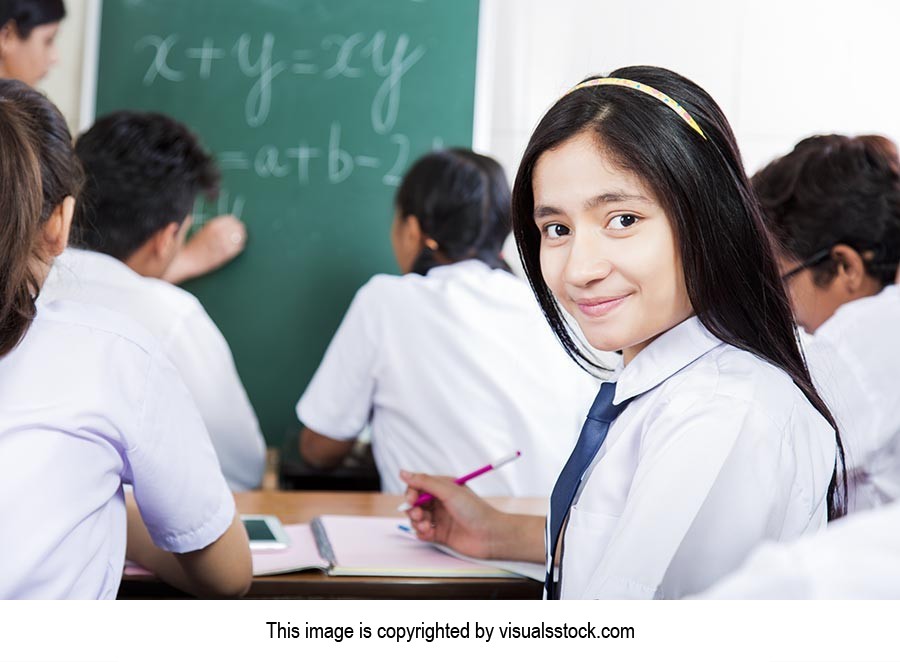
<point>144,171</point>
<point>29,14</point>
<point>461,199</point>
<point>836,189</point>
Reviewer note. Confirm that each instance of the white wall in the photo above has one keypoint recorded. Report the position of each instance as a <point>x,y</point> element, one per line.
<point>780,69</point>
<point>63,84</point>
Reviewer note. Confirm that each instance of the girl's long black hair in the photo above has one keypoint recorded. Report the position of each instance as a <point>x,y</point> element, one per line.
<point>727,254</point>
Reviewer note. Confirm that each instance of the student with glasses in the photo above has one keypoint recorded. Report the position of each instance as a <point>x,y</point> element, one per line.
<point>833,204</point>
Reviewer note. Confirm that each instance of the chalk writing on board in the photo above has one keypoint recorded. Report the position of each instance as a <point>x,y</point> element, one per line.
<point>224,204</point>
<point>353,56</point>
<point>206,54</point>
<point>160,65</point>
<point>337,163</point>
<point>259,99</point>
<point>270,161</point>
<point>386,103</point>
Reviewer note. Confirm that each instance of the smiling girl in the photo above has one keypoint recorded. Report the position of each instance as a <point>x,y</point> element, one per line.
<point>633,214</point>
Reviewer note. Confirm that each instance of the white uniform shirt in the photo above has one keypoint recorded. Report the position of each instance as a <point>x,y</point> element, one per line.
<point>856,558</point>
<point>864,336</point>
<point>453,369</point>
<point>848,402</point>
<point>717,452</point>
<point>191,341</point>
<point>88,402</point>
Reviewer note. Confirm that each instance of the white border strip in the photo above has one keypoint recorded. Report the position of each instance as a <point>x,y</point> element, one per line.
<point>484,77</point>
<point>90,65</point>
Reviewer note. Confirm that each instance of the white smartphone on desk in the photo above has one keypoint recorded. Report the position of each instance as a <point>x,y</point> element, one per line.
<point>265,532</point>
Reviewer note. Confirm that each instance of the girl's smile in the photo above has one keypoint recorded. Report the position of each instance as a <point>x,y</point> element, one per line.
<point>608,250</point>
<point>600,306</point>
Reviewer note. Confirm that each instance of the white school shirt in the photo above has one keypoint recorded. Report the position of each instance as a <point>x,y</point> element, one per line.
<point>191,341</point>
<point>453,370</point>
<point>717,452</point>
<point>856,558</point>
<point>864,335</point>
<point>88,401</point>
<point>848,402</point>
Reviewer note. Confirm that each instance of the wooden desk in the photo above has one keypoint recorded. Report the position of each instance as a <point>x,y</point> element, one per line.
<point>298,507</point>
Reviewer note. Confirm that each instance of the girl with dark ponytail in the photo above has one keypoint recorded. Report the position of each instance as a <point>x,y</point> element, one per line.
<point>633,214</point>
<point>88,403</point>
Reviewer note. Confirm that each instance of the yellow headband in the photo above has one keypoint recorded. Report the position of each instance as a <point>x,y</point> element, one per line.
<point>646,89</point>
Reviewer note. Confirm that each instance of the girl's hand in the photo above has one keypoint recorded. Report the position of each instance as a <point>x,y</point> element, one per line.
<point>455,517</point>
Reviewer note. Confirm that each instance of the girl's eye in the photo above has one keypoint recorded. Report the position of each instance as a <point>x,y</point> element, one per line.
<point>622,221</point>
<point>556,230</point>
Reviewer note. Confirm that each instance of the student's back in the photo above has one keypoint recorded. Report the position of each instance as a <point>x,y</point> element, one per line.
<point>87,401</point>
<point>452,363</point>
<point>464,370</point>
<point>863,335</point>
<point>88,404</point>
<point>144,172</point>
<point>190,340</point>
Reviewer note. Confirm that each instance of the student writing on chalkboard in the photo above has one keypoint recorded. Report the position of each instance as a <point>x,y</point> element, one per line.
<point>89,402</point>
<point>833,204</point>
<point>435,360</point>
<point>27,52</point>
<point>634,215</point>
<point>144,171</point>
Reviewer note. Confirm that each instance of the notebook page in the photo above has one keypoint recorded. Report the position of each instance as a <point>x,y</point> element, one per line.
<point>375,546</point>
<point>534,571</point>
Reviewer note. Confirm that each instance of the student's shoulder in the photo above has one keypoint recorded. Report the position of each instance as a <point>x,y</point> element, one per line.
<point>445,288</point>
<point>89,326</point>
<point>469,275</point>
<point>864,320</point>
<point>177,302</point>
<point>741,383</point>
<point>387,290</point>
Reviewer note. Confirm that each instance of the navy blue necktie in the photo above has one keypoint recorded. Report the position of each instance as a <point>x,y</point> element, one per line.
<point>603,412</point>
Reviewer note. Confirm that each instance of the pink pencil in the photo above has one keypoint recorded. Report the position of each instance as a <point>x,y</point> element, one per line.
<point>425,497</point>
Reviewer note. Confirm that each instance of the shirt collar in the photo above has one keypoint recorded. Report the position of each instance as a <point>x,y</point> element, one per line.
<point>91,265</point>
<point>847,313</point>
<point>663,357</point>
<point>465,266</point>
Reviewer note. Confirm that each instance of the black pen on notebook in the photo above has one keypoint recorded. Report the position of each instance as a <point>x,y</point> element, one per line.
<point>425,497</point>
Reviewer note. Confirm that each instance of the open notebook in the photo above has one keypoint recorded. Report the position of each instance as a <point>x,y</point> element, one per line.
<point>352,545</point>
<point>345,545</point>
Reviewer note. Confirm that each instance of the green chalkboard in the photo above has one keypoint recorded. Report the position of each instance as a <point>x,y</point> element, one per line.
<point>314,109</point>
